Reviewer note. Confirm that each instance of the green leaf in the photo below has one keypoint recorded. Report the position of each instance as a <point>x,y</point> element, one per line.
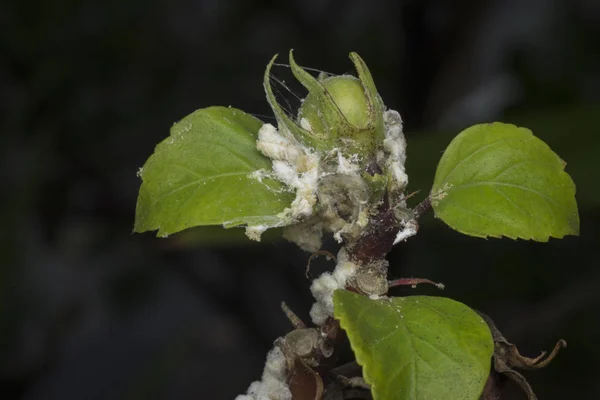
<point>199,175</point>
<point>417,347</point>
<point>500,180</point>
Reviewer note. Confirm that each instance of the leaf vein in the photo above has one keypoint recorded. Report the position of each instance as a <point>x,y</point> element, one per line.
<point>514,185</point>
<point>469,156</point>
<point>501,193</point>
<point>197,182</point>
<point>439,350</point>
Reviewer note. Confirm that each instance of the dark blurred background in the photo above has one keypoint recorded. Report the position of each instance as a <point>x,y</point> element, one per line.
<point>88,88</point>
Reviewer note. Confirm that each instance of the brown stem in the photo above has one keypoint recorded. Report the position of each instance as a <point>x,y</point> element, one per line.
<point>378,240</point>
<point>493,387</point>
<point>414,282</point>
<point>422,208</point>
<point>370,248</point>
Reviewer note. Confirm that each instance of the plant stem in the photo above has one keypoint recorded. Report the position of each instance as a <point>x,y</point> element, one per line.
<point>422,208</point>
<point>378,239</point>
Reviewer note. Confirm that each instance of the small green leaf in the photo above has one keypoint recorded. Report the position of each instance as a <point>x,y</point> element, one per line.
<point>500,180</point>
<point>199,175</point>
<point>417,347</point>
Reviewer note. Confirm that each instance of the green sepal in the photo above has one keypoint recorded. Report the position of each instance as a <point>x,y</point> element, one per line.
<point>374,100</point>
<point>333,122</point>
<point>283,120</point>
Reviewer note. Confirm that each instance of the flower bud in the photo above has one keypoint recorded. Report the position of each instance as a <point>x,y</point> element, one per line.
<point>339,112</point>
<point>349,96</point>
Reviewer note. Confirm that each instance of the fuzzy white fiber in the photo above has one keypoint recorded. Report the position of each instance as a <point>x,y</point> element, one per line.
<point>323,287</point>
<point>294,165</point>
<point>410,229</point>
<point>275,146</point>
<point>395,146</point>
<point>273,384</point>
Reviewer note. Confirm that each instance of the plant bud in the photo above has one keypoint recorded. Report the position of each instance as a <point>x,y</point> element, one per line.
<point>339,112</point>
<point>349,96</point>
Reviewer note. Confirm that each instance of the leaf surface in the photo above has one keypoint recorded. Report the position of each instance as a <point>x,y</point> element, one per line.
<point>199,175</point>
<point>500,180</point>
<point>417,347</point>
